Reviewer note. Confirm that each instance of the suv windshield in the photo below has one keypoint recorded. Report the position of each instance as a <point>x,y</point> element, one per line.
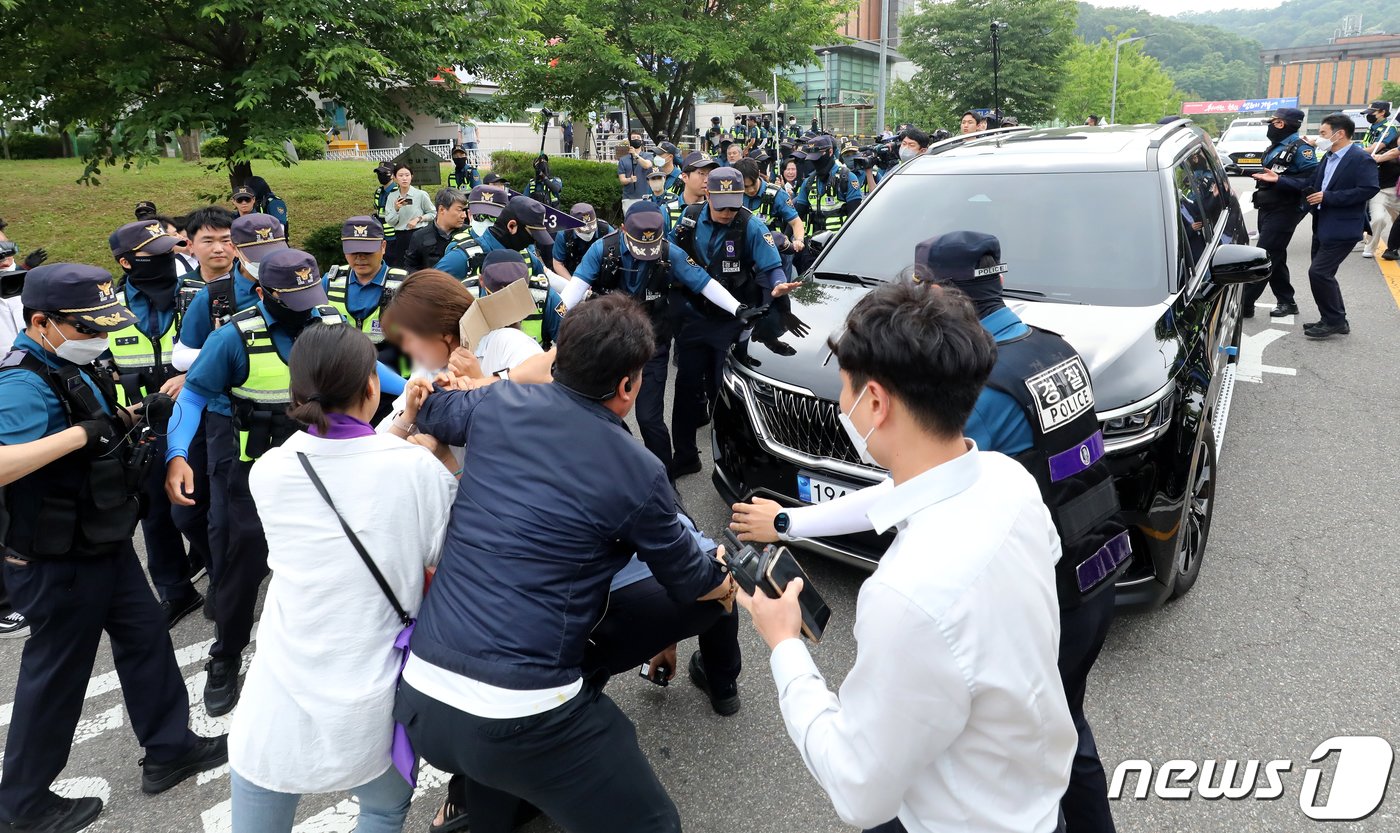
<point>1091,238</point>
<point>1252,133</point>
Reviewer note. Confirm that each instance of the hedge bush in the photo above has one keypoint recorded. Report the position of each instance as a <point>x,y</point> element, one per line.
<point>310,146</point>
<point>216,147</point>
<point>24,145</point>
<point>323,243</point>
<point>584,181</point>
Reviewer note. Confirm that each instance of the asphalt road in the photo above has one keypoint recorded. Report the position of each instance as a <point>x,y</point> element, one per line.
<point>1288,639</point>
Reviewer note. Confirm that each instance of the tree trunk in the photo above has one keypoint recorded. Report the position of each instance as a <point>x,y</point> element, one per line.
<point>189,146</point>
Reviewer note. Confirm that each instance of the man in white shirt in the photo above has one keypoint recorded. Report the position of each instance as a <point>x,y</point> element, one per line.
<point>953,717</point>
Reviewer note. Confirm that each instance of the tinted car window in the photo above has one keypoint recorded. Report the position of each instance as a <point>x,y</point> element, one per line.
<point>1085,237</point>
<point>1190,212</point>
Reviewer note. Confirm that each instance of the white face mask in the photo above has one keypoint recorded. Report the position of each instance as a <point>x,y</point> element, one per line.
<point>860,442</point>
<point>479,227</point>
<point>906,153</point>
<point>251,269</point>
<point>85,351</point>
<point>586,233</point>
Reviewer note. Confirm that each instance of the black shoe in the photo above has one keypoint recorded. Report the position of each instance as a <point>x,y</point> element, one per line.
<point>1283,309</point>
<point>1322,331</point>
<point>725,701</point>
<point>206,754</point>
<point>177,610</point>
<point>221,688</point>
<point>1390,254</point>
<point>1246,312</point>
<point>688,467</point>
<point>13,625</point>
<point>67,815</point>
<point>454,820</point>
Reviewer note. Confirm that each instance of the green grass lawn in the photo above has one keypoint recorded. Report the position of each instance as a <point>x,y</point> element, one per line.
<point>45,207</point>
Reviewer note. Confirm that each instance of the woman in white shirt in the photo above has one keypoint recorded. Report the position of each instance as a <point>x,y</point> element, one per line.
<point>316,714</point>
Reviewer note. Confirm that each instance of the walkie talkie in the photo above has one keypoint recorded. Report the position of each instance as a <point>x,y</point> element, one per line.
<point>770,569</point>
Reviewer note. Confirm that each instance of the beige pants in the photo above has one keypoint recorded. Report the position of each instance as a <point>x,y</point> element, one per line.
<point>1383,209</point>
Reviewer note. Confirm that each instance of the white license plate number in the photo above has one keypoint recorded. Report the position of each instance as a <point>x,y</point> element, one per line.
<point>816,490</point>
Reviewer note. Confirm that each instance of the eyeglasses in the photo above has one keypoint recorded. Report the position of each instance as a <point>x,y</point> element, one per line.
<point>82,329</point>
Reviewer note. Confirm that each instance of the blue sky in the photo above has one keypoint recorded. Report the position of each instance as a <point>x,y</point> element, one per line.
<point>1171,7</point>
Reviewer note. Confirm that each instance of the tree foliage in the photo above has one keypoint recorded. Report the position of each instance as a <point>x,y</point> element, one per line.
<point>951,45</point>
<point>1145,91</point>
<point>1302,22</point>
<point>660,54</point>
<point>1206,62</point>
<point>138,74</point>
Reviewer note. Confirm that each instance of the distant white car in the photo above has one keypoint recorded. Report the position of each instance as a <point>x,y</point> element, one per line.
<point>1243,145</point>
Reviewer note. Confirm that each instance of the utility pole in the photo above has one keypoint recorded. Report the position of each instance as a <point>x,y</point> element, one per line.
<point>884,67</point>
<point>997,28</point>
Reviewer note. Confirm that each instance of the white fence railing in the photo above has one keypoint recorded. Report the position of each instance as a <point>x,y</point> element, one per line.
<point>478,157</point>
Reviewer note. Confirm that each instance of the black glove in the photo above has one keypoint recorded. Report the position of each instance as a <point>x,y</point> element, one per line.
<point>101,436</point>
<point>795,325</point>
<point>748,314</point>
<point>35,258</point>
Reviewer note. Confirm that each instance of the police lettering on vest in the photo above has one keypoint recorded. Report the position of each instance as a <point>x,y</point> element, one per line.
<point>1048,379</point>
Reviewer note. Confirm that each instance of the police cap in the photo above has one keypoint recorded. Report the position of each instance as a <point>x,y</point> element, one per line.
<point>695,160</point>
<point>258,235</point>
<point>645,229</point>
<point>77,291</point>
<point>531,215</point>
<point>584,213</point>
<point>669,149</point>
<point>1292,115</point>
<point>243,192</point>
<point>494,178</point>
<point>955,257</point>
<point>656,173</point>
<point>293,279</point>
<point>144,237</point>
<point>501,268</point>
<point>1378,107</point>
<point>362,235</point>
<point>726,187</point>
<point>487,200</point>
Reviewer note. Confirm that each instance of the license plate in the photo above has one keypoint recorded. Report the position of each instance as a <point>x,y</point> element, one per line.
<point>1249,160</point>
<point>816,490</point>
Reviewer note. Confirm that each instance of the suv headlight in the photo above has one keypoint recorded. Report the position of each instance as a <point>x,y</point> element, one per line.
<point>1139,423</point>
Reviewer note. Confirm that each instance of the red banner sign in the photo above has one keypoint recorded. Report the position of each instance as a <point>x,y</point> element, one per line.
<point>1195,108</point>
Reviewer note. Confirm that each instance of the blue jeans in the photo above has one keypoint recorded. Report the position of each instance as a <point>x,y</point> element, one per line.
<point>383,805</point>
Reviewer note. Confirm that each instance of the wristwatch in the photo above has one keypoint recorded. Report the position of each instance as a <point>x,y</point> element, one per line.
<point>782,523</point>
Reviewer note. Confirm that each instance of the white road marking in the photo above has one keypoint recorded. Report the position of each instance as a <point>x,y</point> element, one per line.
<point>86,787</point>
<point>211,775</point>
<point>99,724</point>
<point>1251,367</point>
<point>218,819</point>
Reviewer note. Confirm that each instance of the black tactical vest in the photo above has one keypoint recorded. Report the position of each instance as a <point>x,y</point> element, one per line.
<point>1048,379</point>
<point>732,267</point>
<point>79,506</point>
<point>655,296</point>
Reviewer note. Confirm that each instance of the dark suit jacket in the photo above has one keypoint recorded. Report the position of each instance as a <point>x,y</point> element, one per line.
<point>1341,218</point>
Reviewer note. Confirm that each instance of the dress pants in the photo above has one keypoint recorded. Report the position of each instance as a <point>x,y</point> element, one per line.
<point>1082,633</point>
<point>69,604</point>
<point>1327,256</point>
<point>166,558</point>
<point>1381,210</point>
<point>579,763</point>
<point>244,569</point>
<point>700,352</point>
<point>651,403</point>
<point>1276,227</point>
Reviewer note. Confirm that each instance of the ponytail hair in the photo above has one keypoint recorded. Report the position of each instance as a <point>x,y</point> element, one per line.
<point>329,367</point>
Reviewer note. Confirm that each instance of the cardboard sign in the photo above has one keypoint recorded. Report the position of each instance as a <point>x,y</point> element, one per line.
<point>425,165</point>
<point>555,220</point>
<point>500,309</point>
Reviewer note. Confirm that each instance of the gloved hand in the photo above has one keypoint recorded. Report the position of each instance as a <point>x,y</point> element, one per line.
<point>748,314</point>
<point>101,436</point>
<point>35,258</point>
<point>795,325</point>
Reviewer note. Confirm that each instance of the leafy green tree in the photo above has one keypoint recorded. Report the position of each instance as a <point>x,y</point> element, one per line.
<point>951,45</point>
<point>1302,22</point>
<point>1206,62</point>
<point>1145,91</point>
<point>658,55</point>
<point>137,74</point>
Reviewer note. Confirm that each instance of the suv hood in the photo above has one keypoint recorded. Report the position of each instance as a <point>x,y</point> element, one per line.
<point>1129,350</point>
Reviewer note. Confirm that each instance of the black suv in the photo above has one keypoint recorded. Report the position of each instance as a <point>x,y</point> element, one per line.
<point>1124,240</point>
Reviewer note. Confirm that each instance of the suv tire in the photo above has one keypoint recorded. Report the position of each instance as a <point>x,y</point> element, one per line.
<point>1196,514</point>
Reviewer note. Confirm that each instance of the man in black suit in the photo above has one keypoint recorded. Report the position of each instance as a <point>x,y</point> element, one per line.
<point>1337,193</point>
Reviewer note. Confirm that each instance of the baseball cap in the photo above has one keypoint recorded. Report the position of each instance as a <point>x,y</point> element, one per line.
<point>243,192</point>
<point>1291,115</point>
<point>258,235</point>
<point>293,278</point>
<point>669,149</point>
<point>144,236</point>
<point>726,186</point>
<point>758,155</point>
<point>456,149</point>
<point>501,268</point>
<point>645,229</point>
<point>780,241</point>
<point>1378,106</point>
<point>954,257</point>
<point>815,148</point>
<point>145,208</point>
<point>362,235</point>
<point>78,291</point>
<point>494,178</point>
<point>696,160</point>
<point>530,213</point>
<point>487,200</point>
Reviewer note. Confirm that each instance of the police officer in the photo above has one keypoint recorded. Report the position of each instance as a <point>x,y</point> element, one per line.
<point>1280,208</point>
<point>738,252</point>
<point>669,203</point>
<point>246,360</point>
<point>773,206</point>
<point>639,261</point>
<point>484,205</point>
<point>464,175</point>
<point>738,132</point>
<point>545,187</point>
<point>1061,446</point>
<point>830,193</point>
<point>142,354</point>
<point>503,267</point>
<point>520,227</point>
<point>571,244</point>
<point>361,289</point>
<point>71,478</point>
<point>667,159</point>
<point>713,136</point>
<point>695,174</point>
<point>1381,141</point>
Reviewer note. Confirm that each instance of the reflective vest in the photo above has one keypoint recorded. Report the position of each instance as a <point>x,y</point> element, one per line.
<point>338,287</point>
<point>828,208</point>
<point>143,365</point>
<point>766,211</point>
<point>1048,379</point>
<point>260,401</point>
<point>466,181</point>
<point>471,247</point>
<point>381,206</point>
<point>533,326</point>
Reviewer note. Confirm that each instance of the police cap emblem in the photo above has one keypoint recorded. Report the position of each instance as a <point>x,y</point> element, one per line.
<point>264,234</point>
<point>154,230</point>
<point>304,276</point>
<point>361,231</point>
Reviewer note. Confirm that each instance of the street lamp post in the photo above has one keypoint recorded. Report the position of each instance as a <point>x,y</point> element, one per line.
<point>997,28</point>
<point>1117,47</point>
<point>884,68</point>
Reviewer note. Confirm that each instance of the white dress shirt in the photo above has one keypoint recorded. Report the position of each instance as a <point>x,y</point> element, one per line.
<point>953,718</point>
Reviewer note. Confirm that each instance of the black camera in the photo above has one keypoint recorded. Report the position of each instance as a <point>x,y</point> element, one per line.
<point>770,569</point>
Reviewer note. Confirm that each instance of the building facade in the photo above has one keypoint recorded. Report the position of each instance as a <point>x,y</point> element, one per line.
<point>1342,75</point>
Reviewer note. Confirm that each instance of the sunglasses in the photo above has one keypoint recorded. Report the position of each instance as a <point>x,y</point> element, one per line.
<point>82,328</point>
<point>719,210</point>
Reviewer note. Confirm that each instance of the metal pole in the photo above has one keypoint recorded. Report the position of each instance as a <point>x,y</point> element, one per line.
<point>996,74</point>
<point>1117,48</point>
<point>884,67</point>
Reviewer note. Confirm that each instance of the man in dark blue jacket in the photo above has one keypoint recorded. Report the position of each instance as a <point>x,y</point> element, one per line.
<point>494,687</point>
<point>1337,194</point>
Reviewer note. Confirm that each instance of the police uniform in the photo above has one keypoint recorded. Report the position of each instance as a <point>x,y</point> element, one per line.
<point>829,193</point>
<point>1280,210</point>
<point>463,257</point>
<point>1038,407</point>
<point>71,570</point>
<point>463,175</point>
<point>774,207</point>
<point>713,137</point>
<point>569,246</point>
<point>362,303</point>
<point>141,357</point>
<point>741,257</point>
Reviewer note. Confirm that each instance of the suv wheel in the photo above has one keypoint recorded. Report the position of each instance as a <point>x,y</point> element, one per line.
<point>1196,515</point>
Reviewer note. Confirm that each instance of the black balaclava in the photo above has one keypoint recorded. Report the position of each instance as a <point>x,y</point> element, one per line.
<point>823,164</point>
<point>517,241</point>
<point>290,320</point>
<point>1278,134</point>
<point>984,292</point>
<point>155,277</point>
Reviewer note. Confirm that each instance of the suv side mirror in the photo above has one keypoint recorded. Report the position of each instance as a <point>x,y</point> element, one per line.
<point>818,241</point>
<point>1234,263</point>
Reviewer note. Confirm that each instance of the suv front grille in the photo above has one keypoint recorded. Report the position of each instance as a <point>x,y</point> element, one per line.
<point>805,424</point>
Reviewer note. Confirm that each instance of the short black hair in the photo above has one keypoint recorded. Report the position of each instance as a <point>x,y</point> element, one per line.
<point>448,197</point>
<point>400,167</point>
<point>924,345</point>
<point>920,137</point>
<point>749,169</point>
<point>600,342</point>
<point>211,216</point>
<point>1342,122</point>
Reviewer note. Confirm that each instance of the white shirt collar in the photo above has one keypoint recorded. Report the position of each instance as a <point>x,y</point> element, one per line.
<point>937,484</point>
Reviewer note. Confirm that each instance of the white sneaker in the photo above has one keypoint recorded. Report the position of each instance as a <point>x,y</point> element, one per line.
<point>1368,253</point>
<point>13,626</point>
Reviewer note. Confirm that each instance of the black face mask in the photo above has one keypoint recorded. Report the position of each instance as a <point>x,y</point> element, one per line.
<point>1278,134</point>
<point>985,293</point>
<point>383,177</point>
<point>1372,118</point>
<point>824,164</point>
<point>290,320</point>
<point>636,143</point>
<point>514,242</point>
<point>155,277</point>
<point>460,163</point>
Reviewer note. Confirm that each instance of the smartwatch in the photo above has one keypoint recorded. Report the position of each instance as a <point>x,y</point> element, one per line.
<point>782,523</point>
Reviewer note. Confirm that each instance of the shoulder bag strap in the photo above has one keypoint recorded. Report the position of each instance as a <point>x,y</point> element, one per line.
<point>355,542</point>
